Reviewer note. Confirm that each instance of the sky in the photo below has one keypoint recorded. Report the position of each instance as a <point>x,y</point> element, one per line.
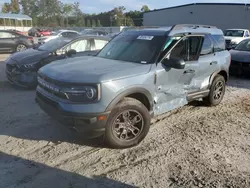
<point>97,6</point>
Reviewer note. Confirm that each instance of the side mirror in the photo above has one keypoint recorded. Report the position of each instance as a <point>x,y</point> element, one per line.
<point>175,63</point>
<point>71,52</point>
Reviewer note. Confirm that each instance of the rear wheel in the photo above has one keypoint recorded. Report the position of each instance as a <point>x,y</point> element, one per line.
<point>128,124</point>
<point>20,47</point>
<point>217,91</point>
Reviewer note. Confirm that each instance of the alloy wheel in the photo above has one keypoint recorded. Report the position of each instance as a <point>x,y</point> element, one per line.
<point>128,125</point>
<point>21,47</point>
<point>218,90</point>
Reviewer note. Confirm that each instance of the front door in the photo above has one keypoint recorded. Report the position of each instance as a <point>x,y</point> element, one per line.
<point>171,85</point>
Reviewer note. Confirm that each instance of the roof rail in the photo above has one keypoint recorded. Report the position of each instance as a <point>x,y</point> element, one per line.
<point>194,26</point>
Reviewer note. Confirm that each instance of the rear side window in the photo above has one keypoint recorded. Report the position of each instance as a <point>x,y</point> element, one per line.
<point>207,46</point>
<point>219,43</point>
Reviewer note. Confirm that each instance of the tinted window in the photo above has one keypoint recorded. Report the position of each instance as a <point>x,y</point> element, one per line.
<point>207,46</point>
<point>234,33</point>
<point>133,48</point>
<point>6,35</point>
<point>54,44</point>
<point>79,46</point>
<point>187,49</point>
<point>219,43</point>
<point>243,46</point>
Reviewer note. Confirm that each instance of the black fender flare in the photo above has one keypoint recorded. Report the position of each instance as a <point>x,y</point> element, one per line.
<point>130,91</point>
<point>213,76</point>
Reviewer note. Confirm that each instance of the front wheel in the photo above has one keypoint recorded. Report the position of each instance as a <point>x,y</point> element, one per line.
<point>128,124</point>
<point>20,47</point>
<point>217,91</point>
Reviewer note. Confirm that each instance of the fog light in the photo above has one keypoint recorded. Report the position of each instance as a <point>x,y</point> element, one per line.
<point>102,118</point>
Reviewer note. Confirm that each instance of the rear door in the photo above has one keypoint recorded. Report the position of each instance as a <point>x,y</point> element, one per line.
<point>7,41</point>
<point>207,65</point>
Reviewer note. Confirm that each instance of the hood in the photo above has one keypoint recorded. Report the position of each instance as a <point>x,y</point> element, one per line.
<point>242,56</point>
<point>29,56</point>
<point>88,69</point>
<point>235,39</point>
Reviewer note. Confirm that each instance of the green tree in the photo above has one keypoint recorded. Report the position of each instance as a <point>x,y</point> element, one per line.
<point>99,23</point>
<point>145,8</point>
<point>88,23</point>
<point>93,23</point>
<point>67,10</point>
<point>6,8</point>
<point>15,7</point>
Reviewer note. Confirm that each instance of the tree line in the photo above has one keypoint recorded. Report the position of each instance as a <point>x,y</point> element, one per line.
<point>54,13</point>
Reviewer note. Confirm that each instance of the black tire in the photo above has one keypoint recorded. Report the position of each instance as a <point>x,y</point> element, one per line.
<point>213,99</point>
<point>133,107</point>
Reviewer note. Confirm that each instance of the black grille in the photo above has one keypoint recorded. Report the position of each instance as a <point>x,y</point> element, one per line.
<point>60,95</point>
<point>47,100</point>
<point>10,67</point>
<point>228,41</point>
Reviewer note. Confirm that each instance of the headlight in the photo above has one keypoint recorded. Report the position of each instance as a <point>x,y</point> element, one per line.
<point>28,66</point>
<point>82,94</point>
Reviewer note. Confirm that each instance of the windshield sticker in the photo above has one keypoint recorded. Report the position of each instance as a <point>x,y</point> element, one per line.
<point>144,37</point>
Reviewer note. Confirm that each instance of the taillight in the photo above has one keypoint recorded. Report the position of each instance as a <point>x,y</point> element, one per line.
<point>31,39</point>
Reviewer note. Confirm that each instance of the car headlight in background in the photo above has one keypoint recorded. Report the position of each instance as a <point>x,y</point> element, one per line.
<point>82,93</point>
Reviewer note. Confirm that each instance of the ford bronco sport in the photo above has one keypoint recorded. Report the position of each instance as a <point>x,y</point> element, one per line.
<point>139,74</point>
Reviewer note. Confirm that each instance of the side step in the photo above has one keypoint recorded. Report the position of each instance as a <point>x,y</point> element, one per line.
<point>197,95</point>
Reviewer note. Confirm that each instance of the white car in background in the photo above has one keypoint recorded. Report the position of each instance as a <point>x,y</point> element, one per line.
<point>59,33</point>
<point>234,36</point>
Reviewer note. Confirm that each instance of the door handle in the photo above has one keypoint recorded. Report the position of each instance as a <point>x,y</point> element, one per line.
<point>214,63</point>
<point>189,71</point>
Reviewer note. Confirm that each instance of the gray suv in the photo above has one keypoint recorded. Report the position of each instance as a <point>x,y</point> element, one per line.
<point>139,74</point>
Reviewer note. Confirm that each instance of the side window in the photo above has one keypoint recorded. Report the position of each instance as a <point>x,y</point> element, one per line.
<point>79,46</point>
<point>207,46</point>
<point>219,43</point>
<point>187,49</point>
<point>246,33</point>
<point>4,35</point>
<point>71,34</point>
<point>99,44</point>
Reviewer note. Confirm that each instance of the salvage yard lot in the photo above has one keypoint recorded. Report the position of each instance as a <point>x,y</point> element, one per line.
<point>188,147</point>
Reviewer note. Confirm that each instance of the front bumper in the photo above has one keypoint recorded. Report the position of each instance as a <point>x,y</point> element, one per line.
<point>90,124</point>
<point>239,68</point>
<point>22,79</point>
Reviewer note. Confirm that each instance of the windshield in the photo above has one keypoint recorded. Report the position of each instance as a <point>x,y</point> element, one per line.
<point>243,46</point>
<point>54,44</point>
<point>234,33</point>
<point>133,48</point>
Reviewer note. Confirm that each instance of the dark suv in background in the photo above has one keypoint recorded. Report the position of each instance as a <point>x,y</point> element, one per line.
<point>11,41</point>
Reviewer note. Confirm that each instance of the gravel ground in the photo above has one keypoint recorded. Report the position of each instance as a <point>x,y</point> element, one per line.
<point>194,146</point>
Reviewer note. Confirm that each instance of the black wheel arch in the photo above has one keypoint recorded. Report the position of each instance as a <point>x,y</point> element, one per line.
<point>140,94</point>
<point>222,73</point>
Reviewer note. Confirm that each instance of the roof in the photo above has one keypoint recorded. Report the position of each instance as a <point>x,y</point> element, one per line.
<point>179,6</point>
<point>173,30</point>
<point>15,16</point>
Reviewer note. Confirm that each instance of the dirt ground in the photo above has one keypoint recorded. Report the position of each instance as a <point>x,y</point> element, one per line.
<point>195,146</point>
